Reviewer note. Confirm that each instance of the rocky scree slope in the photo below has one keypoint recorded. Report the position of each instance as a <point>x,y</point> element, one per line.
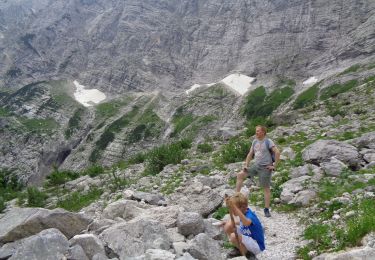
<point>325,180</point>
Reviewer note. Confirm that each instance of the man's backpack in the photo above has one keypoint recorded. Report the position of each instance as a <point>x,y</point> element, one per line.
<point>273,156</point>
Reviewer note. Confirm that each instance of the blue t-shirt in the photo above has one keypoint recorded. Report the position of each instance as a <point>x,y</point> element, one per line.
<point>255,230</point>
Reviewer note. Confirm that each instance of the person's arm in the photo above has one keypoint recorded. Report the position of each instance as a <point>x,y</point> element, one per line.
<point>249,157</point>
<point>277,157</point>
<point>245,221</point>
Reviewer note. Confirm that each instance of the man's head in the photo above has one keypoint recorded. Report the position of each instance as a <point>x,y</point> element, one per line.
<point>240,201</point>
<point>260,131</point>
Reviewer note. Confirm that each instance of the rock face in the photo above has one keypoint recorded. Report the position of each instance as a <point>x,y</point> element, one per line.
<point>178,42</point>
<point>22,222</point>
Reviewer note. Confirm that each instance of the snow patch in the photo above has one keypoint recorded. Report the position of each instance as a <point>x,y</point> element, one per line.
<point>87,96</point>
<point>238,82</point>
<point>311,80</point>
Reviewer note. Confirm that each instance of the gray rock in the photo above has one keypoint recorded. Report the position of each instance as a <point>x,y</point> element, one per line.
<point>22,222</point>
<point>99,256</point>
<point>307,169</point>
<point>186,256</point>
<point>365,253</point>
<point>76,252</point>
<point>212,181</point>
<point>174,235</point>
<point>324,150</point>
<point>303,198</point>
<point>333,167</point>
<point>287,153</point>
<point>90,243</point>
<point>180,247</point>
<point>158,254</point>
<point>126,209</point>
<point>149,198</point>
<point>365,141</point>
<point>132,239</point>
<point>212,231</point>
<point>190,223</point>
<point>97,226</point>
<point>204,248</point>
<point>292,187</point>
<point>49,244</point>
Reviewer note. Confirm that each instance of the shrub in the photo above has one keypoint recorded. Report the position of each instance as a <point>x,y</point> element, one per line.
<point>181,122</point>
<point>60,177</point>
<point>2,204</point>
<point>35,197</point>
<point>319,234</point>
<point>253,101</point>
<point>335,89</point>
<point>73,123</point>
<point>161,156</point>
<point>77,200</point>
<point>220,213</point>
<point>205,148</point>
<point>251,124</point>
<point>39,125</point>
<point>94,170</point>
<point>235,151</point>
<point>10,186</point>
<point>307,97</point>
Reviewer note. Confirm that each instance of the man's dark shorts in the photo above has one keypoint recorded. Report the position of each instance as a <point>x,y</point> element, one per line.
<point>263,174</point>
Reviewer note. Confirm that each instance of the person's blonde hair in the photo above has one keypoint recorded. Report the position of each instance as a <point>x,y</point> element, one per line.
<point>264,129</point>
<point>239,199</point>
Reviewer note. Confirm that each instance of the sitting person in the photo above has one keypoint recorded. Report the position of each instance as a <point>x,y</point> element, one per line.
<point>249,229</point>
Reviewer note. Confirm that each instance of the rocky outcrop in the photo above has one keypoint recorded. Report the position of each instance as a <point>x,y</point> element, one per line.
<point>22,222</point>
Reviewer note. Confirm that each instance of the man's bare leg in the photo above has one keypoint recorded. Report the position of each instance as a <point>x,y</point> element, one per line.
<point>240,179</point>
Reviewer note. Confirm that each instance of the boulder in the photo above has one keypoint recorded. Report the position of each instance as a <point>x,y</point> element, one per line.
<point>303,198</point>
<point>333,167</point>
<point>324,150</point>
<point>306,170</point>
<point>292,187</point>
<point>166,216</point>
<point>133,238</point>
<point>365,253</point>
<point>126,209</point>
<point>203,247</point>
<point>49,244</point>
<point>23,222</point>
<point>365,141</point>
<point>287,153</point>
<point>149,198</point>
<point>211,230</point>
<point>76,252</point>
<point>190,223</point>
<point>158,254</point>
<point>186,256</point>
<point>90,243</point>
<point>212,181</point>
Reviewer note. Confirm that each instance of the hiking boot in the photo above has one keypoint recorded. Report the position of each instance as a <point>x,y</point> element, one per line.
<point>250,255</point>
<point>234,253</point>
<point>267,212</point>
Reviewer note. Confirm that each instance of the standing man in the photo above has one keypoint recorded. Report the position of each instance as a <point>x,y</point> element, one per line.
<point>261,150</point>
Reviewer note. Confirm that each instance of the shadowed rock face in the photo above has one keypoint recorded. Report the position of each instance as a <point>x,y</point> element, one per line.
<point>122,45</point>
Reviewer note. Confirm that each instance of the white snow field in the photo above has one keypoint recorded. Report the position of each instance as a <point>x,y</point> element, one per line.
<point>311,80</point>
<point>238,82</point>
<point>87,96</point>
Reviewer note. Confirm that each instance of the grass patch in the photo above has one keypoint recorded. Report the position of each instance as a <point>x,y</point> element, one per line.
<point>172,183</point>
<point>10,186</point>
<point>77,200</point>
<point>36,197</point>
<point>73,123</point>
<point>220,213</point>
<point>253,101</point>
<point>149,125</point>
<point>307,97</point>
<point>351,69</point>
<point>166,154</point>
<point>205,148</point>
<point>235,151</point>
<point>109,109</point>
<point>60,177</point>
<point>181,122</point>
<point>4,112</point>
<point>94,171</point>
<point>39,125</point>
<point>335,89</point>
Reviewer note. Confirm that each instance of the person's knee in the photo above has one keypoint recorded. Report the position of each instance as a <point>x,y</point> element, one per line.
<point>228,227</point>
<point>241,175</point>
<point>233,238</point>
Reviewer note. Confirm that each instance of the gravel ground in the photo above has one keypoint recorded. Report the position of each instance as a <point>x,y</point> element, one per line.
<point>282,235</point>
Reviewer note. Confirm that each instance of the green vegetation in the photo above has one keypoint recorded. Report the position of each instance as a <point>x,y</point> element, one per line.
<point>60,177</point>
<point>10,187</point>
<point>36,197</point>
<point>253,101</point>
<point>172,183</point>
<point>39,125</point>
<point>335,89</point>
<point>307,97</point>
<point>109,109</point>
<point>94,170</point>
<point>166,154</point>
<point>220,213</point>
<point>181,122</point>
<point>205,148</point>
<point>4,112</point>
<point>109,133</point>
<point>148,125</point>
<point>351,69</point>
<point>235,151</point>
<point>74,122</point>
<point>78,200</point>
